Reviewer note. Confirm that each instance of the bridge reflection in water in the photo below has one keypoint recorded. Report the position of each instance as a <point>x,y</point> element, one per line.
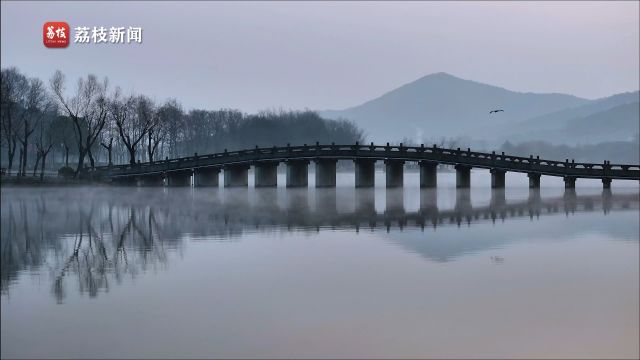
<point>104,234</point>
<point>298,213</point>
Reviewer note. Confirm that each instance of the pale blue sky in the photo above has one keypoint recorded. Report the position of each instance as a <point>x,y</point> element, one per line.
<point>324,55</point>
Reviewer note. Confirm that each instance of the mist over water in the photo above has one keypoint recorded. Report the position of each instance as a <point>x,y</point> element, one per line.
<point>345,272</point>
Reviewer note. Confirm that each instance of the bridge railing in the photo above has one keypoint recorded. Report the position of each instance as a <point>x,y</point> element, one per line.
<point>401,152</point>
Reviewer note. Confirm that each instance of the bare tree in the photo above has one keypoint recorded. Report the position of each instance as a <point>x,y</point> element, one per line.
<point>35,105</point>
<point>63,133</point>
<point>13,87</point>
<point>133,120</point>
<point>172,118</point>
<point>45,139</point>
<point>87,108</point>
<point>166,117</point>
<point>148,120</point>
<point>107,136</point>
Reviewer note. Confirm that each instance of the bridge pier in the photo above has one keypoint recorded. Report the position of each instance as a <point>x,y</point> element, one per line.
<point>570,198</point>
<point>266,174</point>
<point>236,175</point>
<point>569,182</point>
<point>206,177</point>
<point>463,176</point>
<point>606,200</point>
<point>150,180</point>
<point>497,178</point>
<point>365,173</point>
<point>297,173</point>
<point>606,183</point>
<point>534,197</point>
<point>179,178</point>
<point>534,180</point>
<point>326,172</point>
<point>428,174</point>
<point>394,170</point>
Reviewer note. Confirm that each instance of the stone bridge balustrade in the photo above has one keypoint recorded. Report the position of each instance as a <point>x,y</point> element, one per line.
<point>236,164</point>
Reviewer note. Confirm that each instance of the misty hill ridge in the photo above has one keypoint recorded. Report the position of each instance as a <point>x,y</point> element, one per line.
<point>619,123</point>
<point>441,104</point>
<point>560,119</point>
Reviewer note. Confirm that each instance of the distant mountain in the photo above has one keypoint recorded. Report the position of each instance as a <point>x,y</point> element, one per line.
<point>612,134</point>
<point>442,105</point>
<point>560,119</point>
<point>619,123</point>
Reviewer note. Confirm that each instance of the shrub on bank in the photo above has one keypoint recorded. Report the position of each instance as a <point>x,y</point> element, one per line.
<point>66,172</point>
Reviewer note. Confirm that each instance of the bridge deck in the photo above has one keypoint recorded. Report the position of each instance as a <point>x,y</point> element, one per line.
<point>375,152</point>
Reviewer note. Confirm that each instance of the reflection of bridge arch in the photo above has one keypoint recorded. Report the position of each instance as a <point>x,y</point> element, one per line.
<point>428,215</point>
<point>205,168</point>
<point>263,210</point>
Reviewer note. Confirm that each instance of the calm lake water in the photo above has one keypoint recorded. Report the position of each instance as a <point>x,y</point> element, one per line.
<point>152,272</point>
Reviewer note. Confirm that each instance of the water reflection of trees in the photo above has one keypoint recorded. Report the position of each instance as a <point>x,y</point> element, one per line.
<point>87,244</point>
<point>113,243</point>
<point>90,239</point>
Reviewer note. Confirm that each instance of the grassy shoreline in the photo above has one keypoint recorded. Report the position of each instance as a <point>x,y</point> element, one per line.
<point>46,181</point>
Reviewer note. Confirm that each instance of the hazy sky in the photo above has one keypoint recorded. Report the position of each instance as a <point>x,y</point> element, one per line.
<point>328,55</point>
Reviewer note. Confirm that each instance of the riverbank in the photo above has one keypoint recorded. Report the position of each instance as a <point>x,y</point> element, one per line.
<point>46,181</point>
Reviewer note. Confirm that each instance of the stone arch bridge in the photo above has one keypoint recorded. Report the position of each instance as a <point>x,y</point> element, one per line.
<point>205,168</point>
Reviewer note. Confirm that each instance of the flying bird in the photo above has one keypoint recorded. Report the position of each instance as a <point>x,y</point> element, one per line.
<point>495,111</point>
